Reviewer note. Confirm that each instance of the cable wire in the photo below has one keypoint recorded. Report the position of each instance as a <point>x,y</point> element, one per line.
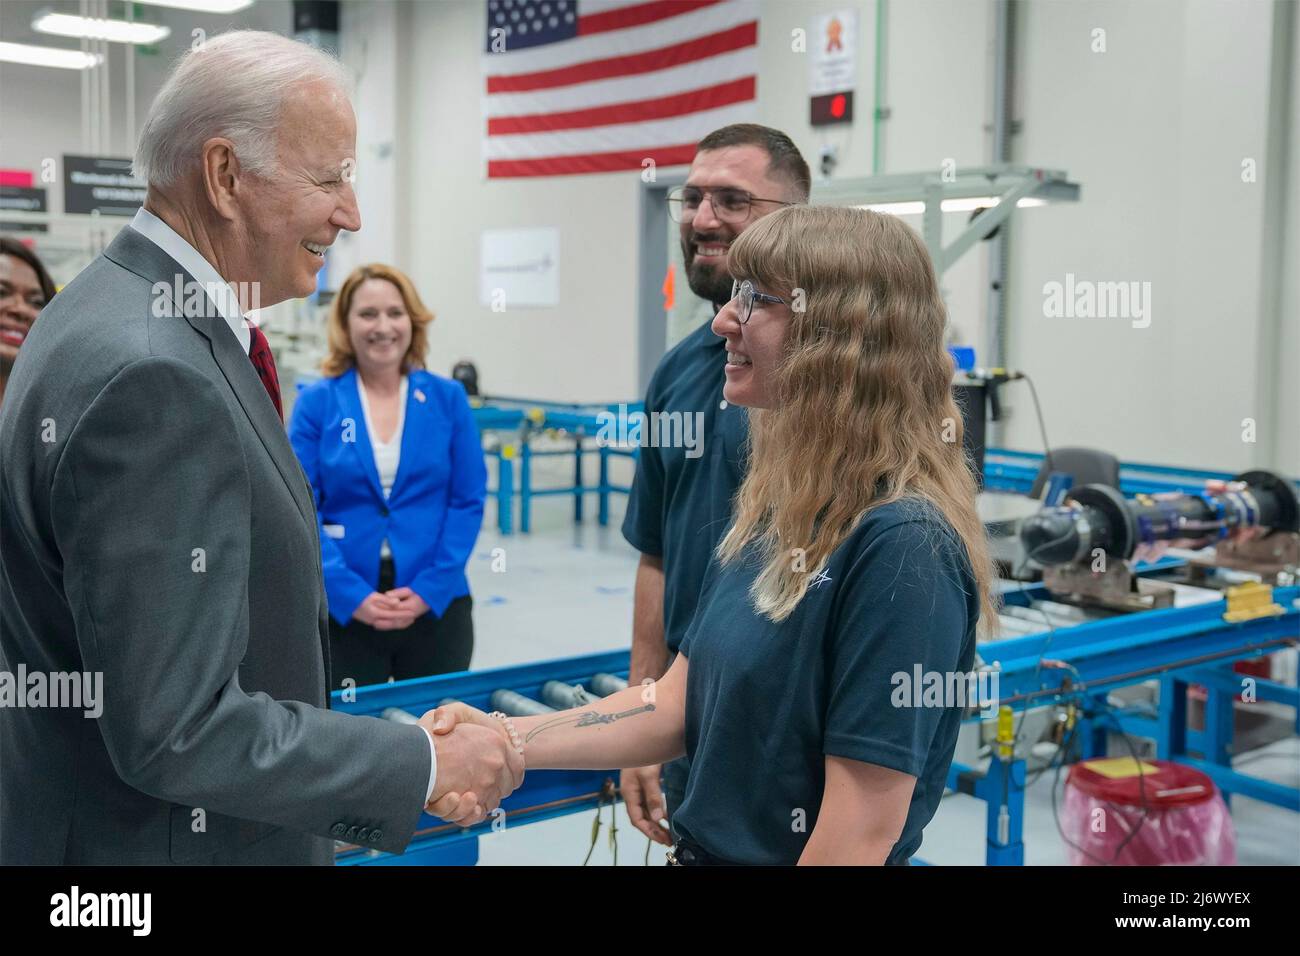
<point>1042,427</point>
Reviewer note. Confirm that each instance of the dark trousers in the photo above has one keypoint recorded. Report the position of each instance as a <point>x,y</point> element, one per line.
<point>685,853</point>
<point>431,645</point>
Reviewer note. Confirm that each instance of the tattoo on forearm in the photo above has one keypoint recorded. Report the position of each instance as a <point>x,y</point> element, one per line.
<point>588,718</point>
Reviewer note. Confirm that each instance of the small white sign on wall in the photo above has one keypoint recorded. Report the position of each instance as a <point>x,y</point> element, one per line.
<point>519,268</point>
<point>833,53</point>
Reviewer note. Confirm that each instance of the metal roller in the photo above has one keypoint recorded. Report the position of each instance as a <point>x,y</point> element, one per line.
<point>1039,617</point>
<point>517,705</point>
<point>1024,614</point>
<point>606,684</point>
<point>562,696</point>
<point>1067,612</point>
<point>399,716</point>
<point>1014,627</point>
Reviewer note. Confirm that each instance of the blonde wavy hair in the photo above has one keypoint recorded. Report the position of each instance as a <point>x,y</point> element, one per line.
<point>341,355</point>
<point>862,399</point>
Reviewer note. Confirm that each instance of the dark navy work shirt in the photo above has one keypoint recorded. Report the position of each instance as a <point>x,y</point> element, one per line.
<point>766,703</point>
<point>680,507</point>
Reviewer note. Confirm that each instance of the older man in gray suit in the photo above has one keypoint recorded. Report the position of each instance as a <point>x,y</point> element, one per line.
<point>156,528</point>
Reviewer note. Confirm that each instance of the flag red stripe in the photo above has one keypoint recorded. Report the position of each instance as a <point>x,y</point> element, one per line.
<point>724,41</point>
<point>591,162</point>
<point>680,104</point>
<point>635,16</point>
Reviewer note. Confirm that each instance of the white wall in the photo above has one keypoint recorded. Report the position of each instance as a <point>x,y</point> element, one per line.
<point>1154,129</point>
<point>1287,406</point>
<point>582,351</point>
<point>939,92</point>
<point>936,115</point>
<point>40,108</point>
<point>585,350</point>
<point>369,46</point>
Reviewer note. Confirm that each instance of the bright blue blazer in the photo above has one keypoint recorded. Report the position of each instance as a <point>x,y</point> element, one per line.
<point>431,517</point>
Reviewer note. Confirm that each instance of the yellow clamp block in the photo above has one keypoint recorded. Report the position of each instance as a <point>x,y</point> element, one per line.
<point>507,451</point>
<point>1006,733</point>
<point>536,415</point>
<point>1249,601</point>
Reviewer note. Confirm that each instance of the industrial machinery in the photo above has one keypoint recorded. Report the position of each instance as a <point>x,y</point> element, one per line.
<point>1060,653</point>
<point>1112,611</point>
<point>1085,545</point>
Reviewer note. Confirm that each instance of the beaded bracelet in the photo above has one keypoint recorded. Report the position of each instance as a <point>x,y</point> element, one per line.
<point>510,729</point>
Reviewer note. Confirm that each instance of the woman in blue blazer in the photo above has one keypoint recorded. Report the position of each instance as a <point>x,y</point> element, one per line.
<point>396,464</point>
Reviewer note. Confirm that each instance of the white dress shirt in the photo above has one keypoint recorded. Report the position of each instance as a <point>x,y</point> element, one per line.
<point>166,238</point>
<point>188,258</point>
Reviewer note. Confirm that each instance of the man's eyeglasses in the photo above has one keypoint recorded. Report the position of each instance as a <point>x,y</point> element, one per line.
<point>745,294</point>
<point>729,205</point>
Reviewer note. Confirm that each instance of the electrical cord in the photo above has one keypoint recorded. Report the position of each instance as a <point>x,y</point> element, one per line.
<point>1017,571</point>
<point>1042,427</point>
<point>1058,759</point>
<point>595,826</point>
<point>613,830</point>
<point>1038,669</point>
<point>1146,806</point>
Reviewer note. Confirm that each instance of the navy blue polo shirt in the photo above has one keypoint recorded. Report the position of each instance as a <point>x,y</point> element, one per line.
<point>766,702</point>
<point>680,506</point>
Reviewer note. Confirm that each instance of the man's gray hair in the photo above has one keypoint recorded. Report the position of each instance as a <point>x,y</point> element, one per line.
<point>232,86</point>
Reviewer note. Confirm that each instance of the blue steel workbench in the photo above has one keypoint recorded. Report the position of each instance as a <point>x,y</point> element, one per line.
<point>1179,646</point>
<point>1077,665</point>
<point>517,423</point>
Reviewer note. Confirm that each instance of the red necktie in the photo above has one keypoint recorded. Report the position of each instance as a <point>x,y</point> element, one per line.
<point>259,353</point>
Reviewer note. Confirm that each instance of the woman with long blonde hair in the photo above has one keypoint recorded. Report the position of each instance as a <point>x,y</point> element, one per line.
<point>814,691</point>
<point>395,462</point>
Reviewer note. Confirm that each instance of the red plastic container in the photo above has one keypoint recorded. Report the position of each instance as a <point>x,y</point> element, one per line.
<point>1186,820</point>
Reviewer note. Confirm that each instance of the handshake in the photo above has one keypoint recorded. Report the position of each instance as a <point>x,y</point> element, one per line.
<point>478,765</point>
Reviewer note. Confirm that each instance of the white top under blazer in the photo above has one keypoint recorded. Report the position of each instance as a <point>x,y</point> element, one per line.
<point>387,454</point>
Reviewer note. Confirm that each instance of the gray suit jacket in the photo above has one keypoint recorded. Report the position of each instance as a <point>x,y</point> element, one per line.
<point>156,527</point>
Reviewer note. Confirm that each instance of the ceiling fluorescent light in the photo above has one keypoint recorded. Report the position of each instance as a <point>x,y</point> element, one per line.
<point>916,207</point>
<point>115,31</point>
<point>29,55</point>
<point>201,6</point>
<point>912,208</point>
<point>972,203</point>
<point>969,203</point>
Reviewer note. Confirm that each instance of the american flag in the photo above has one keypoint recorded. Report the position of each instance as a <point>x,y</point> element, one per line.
<point>593,86</point>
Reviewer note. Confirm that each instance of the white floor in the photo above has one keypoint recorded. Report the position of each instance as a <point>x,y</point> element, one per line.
<point>567,590</point>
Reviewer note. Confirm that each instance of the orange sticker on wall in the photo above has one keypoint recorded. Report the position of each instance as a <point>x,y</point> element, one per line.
<point>670,288</point>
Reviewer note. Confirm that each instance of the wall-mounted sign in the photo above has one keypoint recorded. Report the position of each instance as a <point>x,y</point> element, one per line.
<point>519,267</point>
<point>22,199</point>
<point>832,66</point>
<point>100,184</point>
